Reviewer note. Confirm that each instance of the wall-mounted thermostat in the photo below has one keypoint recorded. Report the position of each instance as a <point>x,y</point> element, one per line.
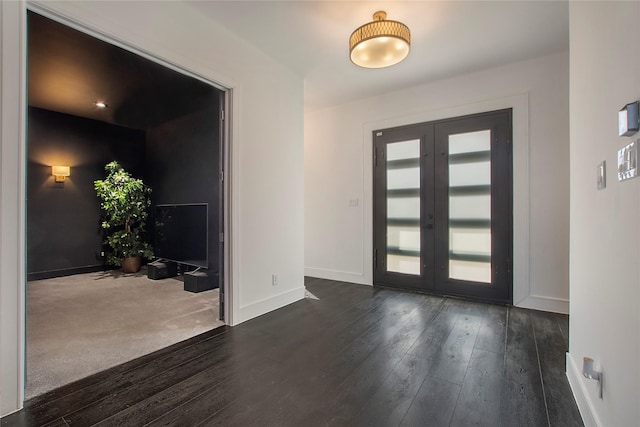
<point>628,119</point>
<point>628,161</point>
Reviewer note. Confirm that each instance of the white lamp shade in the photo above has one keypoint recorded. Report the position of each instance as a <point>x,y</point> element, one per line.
<point>380,52</point>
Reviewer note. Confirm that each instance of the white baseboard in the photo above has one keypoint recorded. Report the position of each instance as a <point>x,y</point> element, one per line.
<point>580,392</point>
<point>258,308</point>
<point>340,276</point>
<point>555,305</point>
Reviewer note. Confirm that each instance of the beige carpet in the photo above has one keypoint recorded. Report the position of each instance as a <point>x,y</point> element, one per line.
<point>79,325</point>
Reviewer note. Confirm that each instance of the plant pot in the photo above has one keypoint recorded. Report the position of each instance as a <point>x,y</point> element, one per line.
<point>131,264</point>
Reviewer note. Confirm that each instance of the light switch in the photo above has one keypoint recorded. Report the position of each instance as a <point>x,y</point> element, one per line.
<point>602,175</point>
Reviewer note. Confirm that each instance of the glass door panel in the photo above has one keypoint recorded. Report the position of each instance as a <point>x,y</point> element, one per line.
<point>470,206</point>
<point>403,207</point>
<point>443,206</point>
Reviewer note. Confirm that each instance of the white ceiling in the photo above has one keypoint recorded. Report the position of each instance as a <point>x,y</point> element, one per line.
<point>448,38</point>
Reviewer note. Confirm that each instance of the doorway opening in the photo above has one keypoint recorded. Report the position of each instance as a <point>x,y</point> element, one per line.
<point>443,203</point>
<point>89,103</point>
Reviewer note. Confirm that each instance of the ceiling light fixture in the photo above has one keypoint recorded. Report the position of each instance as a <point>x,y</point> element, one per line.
<point>379,43</point>
<point>100,104</point>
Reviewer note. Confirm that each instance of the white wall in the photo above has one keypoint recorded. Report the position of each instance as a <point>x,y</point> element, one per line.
<point>12,267</point>
<point>605,231</point>
<point>338,242</point>
<point>266,154</point>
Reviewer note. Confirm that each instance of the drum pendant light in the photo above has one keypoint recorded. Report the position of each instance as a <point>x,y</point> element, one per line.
<point>380,43</point>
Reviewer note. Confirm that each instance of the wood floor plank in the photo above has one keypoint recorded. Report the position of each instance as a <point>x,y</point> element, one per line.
<point>451,361</point>
<point>299,399</point>
<point>253,401</point>
<point>462,306</point>
<point>396,335</point>
<point>60,422</point>
<point>332,342</point>
<point>248,385</point>
<point>480,397</point>
<point>270,322</point>
<point>389,405</point>
<point>415,323</point>
<point>200,408</point>
<point>162,402</point>
<point>551,349</point>
<point>493,332</point>
<point>428,343</point>
<point>338,294</point>
<point>116,402</point>
<point>320,344</point>
<point>387,320</point>
<point>522,395</point>
<point>363,382</point>
<point>563,323</point>
<point>433,405</point>
<point>18,419</point>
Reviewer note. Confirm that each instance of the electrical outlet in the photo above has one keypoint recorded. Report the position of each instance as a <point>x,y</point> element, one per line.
<point>274,280</point>
<point>102,253</point>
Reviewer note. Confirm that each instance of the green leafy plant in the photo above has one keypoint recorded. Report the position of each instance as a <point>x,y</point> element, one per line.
<point>125,201</point>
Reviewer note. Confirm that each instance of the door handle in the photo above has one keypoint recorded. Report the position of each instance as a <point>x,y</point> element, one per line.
<point>430,225</point>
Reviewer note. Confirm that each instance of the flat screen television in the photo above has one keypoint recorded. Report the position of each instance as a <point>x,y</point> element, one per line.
<point>181,233</point>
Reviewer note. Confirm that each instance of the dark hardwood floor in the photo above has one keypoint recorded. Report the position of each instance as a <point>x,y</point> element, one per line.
<point>349,355</point>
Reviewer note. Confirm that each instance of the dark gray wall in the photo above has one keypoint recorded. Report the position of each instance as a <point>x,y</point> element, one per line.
<point>183,164</point>
<point>63,233</point>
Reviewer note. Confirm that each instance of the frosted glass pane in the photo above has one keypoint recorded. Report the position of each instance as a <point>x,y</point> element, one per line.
<point>470,241</point>
<point>403,178</point>
<point>408,208</point>
<point>404,238</point>
<point>403,150</point>
<point>403,264</point>
<point>467,176</point>
<point>478,173</point>
<point>470,207</point>
<point>470,142</point>
<point>471,271</point>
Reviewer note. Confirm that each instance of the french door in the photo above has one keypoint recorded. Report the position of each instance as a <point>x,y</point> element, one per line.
<point>443,206</point>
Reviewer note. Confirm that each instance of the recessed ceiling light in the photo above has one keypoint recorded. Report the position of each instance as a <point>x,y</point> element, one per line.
<point>100,104</point>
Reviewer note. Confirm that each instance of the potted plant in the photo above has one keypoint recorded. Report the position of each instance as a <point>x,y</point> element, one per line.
<point>124,202</point>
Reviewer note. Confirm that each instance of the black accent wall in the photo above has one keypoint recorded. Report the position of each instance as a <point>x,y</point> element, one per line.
<point>63,219</point>
<point>178,159</point>
<point>183,166</point>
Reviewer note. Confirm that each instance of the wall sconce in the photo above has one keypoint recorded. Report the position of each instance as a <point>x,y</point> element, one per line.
<point>60,172</point>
